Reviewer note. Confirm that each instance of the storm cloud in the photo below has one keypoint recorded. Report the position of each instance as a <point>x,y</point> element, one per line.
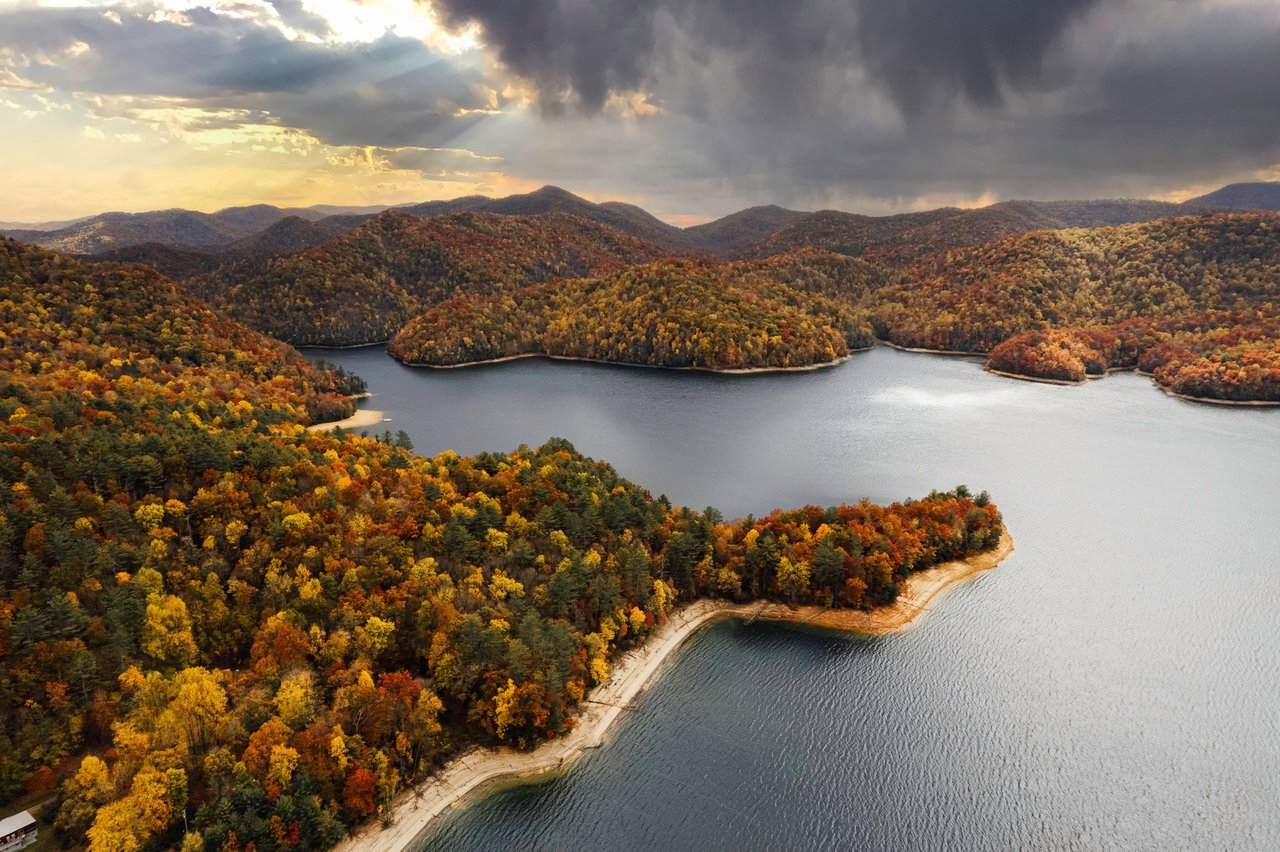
<point>700,106</point>
<point>820,101</point>
<point>916,49</point>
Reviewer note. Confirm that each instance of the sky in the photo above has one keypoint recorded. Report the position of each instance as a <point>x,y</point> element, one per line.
<point>690,108</point>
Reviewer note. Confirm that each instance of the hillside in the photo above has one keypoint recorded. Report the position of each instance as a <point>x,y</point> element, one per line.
<point>364,285</point>
<point>675,313</point>
<point>291,235</point>
<point>169,227</point>
<point>752,233</point>
<point>287,236</point>
<point>1220,356</point>
<point>176,262</point>
<point>224,631</point>
<point>729,235</point>
<point>1241,196</point>
<point>907,236</point>
<point>626,218</point>
<point>1208,286</point>
<point>141,330</point>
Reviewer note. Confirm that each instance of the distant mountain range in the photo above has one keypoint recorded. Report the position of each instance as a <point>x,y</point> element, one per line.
<point>912,234</point>
<point>184,228</point>
<point>205,240</point>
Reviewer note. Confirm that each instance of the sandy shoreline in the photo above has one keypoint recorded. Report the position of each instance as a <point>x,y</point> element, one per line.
<point>924,351</point>
<point>1246,403</point>
<point>470,774</point>
<point>363,417</point>
<point>730,371</point>
<point>1258,403</point>
<point>348,346</point>
<point>1044,380</point>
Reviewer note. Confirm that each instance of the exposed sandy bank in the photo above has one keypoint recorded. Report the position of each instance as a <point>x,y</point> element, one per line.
<point>914,597</point>
<point>1044,380</point>
<point>732,371</point>
<point>481,768</point>
<point>1258,403</point>
<point>363,417</point>
<point>348,346</point>
<point>924,351</point>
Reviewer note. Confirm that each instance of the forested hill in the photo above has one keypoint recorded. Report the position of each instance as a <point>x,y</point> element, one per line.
<point>911,235</point>
<point>240,232</point>
<point>363,286</point>
<point>1260,195</point>
<point>1206,290</point>
<point>145,334</point>
<point>975,298</point>
<point>677,313</point>
<point>169,227</point>
<point>1192,299</point>
<point>219,630</point>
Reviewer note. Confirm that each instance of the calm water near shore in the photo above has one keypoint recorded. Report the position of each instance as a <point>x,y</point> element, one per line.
<point>1115,684</point>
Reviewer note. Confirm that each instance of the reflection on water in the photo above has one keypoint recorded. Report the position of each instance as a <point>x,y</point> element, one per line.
<point>905,395</point>
<point>1113,685</point>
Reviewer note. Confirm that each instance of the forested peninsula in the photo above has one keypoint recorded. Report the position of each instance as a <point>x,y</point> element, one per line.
<point>222,630</point>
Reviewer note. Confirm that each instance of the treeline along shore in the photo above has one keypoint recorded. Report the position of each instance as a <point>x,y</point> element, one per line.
<point>223,630</point>
<point>471,774</point>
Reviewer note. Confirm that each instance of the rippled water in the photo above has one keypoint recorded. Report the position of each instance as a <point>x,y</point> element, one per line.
<point>1115,684</point>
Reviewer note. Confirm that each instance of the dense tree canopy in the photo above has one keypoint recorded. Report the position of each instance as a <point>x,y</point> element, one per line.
<point>476,286</point>
<point>1193,300</point>
<point>364,285</point>
<point>684,313</point>
<point>219,630</point>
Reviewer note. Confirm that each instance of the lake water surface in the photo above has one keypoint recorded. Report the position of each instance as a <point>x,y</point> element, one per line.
<point>1115,684</point>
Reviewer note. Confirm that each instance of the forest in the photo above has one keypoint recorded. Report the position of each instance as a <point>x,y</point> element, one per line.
<point>1191,300</point>
<point>1225,356</point>
<point>1047,289</point>
<point>363,286</point>
<point>675,313</point>
<point>221,631</point>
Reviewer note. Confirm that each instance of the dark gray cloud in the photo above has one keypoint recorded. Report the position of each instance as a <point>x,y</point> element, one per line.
<point>921,49</point>
<point>916,49</point>
<point>818,100</point>
<point>863,104</point>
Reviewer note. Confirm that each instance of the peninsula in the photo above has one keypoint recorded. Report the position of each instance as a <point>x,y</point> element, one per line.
<point>207,602</point>
<point>472,773</point>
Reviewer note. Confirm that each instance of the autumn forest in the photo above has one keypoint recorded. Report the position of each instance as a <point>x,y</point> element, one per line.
<point>1056,291</point>
<point>220,630</point>
<point>223,631</point>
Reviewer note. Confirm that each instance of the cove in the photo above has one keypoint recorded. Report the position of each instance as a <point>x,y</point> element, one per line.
<point>1112,685</point>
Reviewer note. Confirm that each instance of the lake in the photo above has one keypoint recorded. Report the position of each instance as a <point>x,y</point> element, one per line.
<point>1115,684</point>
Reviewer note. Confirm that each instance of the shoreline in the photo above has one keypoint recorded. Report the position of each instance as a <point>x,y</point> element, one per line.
<point>806,368</point>
<point>1041,379</point>
<point>348,346</point>
<point>960,352</point>
<point>1206,400</point>
<point>1246,403</point>
<point>727,371</point>
<point>918,591</point>
<point>478,770</point>
<point>363,417</point>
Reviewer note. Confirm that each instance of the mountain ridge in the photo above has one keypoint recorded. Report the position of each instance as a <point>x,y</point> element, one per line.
<point>744,233</point>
